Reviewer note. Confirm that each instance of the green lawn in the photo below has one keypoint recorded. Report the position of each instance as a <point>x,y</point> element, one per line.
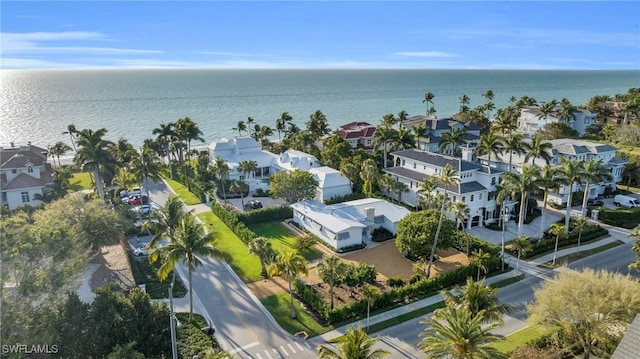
<point>281,238</point>
<point>80,181</point>
<point>279,306</point>
<point>559,248</point>
<point>521,337</point>
<point>574,257</point>
<point>183,192</point>
<point>246,266</point>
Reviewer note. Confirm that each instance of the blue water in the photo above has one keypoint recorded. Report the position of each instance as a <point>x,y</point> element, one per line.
<point>37,106</point>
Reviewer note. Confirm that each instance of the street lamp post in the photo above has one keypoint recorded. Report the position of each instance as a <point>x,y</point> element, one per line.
<point>172,319</point>
<point>503,213</point>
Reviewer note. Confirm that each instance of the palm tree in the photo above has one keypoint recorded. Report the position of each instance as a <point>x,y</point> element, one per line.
<point>593,171</point>
<point>123,179</point>
<point>381,139</point>
<point>72,132</point>
<point>538,149</point>
<point>239,187</point>
<point>397,187</point>
<point>418,132</point>
<point>572,172</point>
<point>479,259</point>
<point>428,99</point>
<point>93,151</point>
<point>506,121</point>
<point>355,344</point>
<point>166,135</point>
<point>446,179</point>
<point>261,247</point>
<point>513,144</point>
<point>451,140</point>
<point>123,152</point>
<point>547,180</point>
<point>370,293</point>
<point>404,140</point>
<point>566,112</point>
<point>427,186</point>
<point>477,297</point>
<point>522,245</point>
<point>250,122</point>
<point>240,127</point>
<point>350,171</point>
<point>190,241</point>
<point>514,183</point>
<point>546,109</point>
<point>460,211</point>
<point>631,172</point>
<point>388,121</point>
<point>369,173</point>
<point>248,167</point>
<point>331,270</point>
<point>489,105</point>
<point>146,166</point>
<point>556,229</point>
<point>166,221</point>
<point>578,225</point>
<point>464,102</point>
<point>58,149</point>
<point>490,144</point>
<point>187,131</point>
<point>456,333</point>
<point>221,169</point>
<point>288,265</point>
<point>318,125</point>
<point>282,121</point>
<point>402,116</point>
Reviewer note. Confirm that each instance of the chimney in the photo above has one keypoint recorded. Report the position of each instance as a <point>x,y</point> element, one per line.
<point>370,213</point>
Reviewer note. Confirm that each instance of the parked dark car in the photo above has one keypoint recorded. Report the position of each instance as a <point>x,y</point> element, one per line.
<point>595,202</point>
<point>252,204</point>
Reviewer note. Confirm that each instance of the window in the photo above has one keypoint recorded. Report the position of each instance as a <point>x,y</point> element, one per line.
<point>411,184</point>
<point>493,180</point>
<point>343,235</point>
<point>463,198</point>
<point>30,169</point>
<point>471,198</point>
<point>492,195</point>
<point>403,162</point>
<point>455,198</point>
<point>378,219</point>
<point>480,196</point>
<point>25,197</point>
<point>414,165</point>
<point>14,171</point>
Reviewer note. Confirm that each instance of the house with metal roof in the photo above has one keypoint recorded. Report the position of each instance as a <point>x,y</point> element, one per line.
<point>629,346</point>
<point>430,139</point>
<point>24,172</point>
<point>573,149</point>
<point>477,187</point>
<point>350,223</point>
<point>331,183</point>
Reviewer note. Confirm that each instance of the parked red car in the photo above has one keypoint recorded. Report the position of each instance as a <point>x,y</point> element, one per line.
<point>138,200</point>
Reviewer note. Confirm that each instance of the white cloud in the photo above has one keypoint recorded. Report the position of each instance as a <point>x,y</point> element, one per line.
<point>424,54</point>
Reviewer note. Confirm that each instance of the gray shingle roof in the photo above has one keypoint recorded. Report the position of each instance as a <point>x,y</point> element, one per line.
<point>438,160</point>
<point>629,347</point>
<point>419,177</point>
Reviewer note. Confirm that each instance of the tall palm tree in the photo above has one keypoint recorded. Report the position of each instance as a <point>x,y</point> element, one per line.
<point>546,109</point>
<point>514,183</point>
<point>166,135</point>
<point>250,122</point>
<point>350,171</point>
<point>369,174</point>
<point>369,293</point>
<point>489,105</point>
<point>146,166</point>
<point>464,103</point>
<point>388,121</point>
<point>72,132</point>
<point>556,229</point>
<point>566,112</point>
<point>288,265</point>
<point>451,140</point>
<point>240,127</point>
<point>239,187</point>
<point>427,186</point>
<point>631,172</point>
<point>477,297</point>
<point>548,181</point>
<point>446,179</point>
<point>355,344</point>
<point>221,170</point>
<point>572,173</point>
<point>506,121</point>
<point>190,241</point>
<point>538,148</point>
<point>248,167</point>
<point>123,179</point>
<point>513,143</point>
<point>460,211</point>
<point>123,152</point>
<point>522,246</point>
<point>578,225</point>
<point>188,131</point>
<point>381,139</point>
<point>331,270</point>
<point>479,259</point>
<point>261,247</point>
<point>418,132</point>
<point>58,149</point>
<point>318,125</point>
<point>92,151</point>
<point>593,171</point>
<point>397,188</point>
<point>490,144</point>
<point>428,99</point>
<point>166,221</point>
<point>457,333</point>
<point>402,116</point>
<point>282,121</point>
<point>404,140</point>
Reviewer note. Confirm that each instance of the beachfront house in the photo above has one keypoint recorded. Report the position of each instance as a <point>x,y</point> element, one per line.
<point>530,120</point>
<point>348,224</point>
<point>477,187</point>
<point>572,149</point>
<point>358,134</point>
<point>430,139</point>
<point>24,173</point>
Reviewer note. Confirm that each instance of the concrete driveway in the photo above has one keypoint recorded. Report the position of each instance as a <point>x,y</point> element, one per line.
<point>267,202</point>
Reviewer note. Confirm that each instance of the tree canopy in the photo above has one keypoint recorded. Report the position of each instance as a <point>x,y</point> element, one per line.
<point>293,186</point>
<point>416,232</point>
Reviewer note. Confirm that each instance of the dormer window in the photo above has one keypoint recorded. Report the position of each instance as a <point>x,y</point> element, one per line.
<point>30,169</point>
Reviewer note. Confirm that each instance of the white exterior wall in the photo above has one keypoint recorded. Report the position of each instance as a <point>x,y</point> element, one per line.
<point>327,193</point>
<point>14,197</point>
<point>355,233</point>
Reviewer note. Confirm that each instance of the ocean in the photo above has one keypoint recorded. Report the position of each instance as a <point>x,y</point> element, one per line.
<point>37,106</point>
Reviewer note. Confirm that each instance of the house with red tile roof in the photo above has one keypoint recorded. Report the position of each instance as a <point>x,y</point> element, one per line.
<point>358,134</point>
<point>24,172</point>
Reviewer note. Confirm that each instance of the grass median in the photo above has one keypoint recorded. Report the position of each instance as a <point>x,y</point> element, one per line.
<point>183,192</point>
<point>560,261</point>
<point>521,337</point>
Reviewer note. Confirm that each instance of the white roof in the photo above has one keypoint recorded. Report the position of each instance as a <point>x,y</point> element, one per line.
<point>391,211</point>
<point>328,177</point>
<point>317,212</point>
<point>238,149</point>
<point>294,159</point>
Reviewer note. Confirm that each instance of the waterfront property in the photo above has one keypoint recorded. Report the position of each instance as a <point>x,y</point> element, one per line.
<point>350,223</point>
<point>358,134</point>
<point>531,120</point>
<point>435,127</point>
<point>24,172</point>
<point>477,187</point>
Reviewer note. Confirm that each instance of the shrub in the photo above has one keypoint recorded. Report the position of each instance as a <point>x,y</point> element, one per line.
<point>305,243</point>
<point>626,218</point>
<point>261,193</point>
<point>416,277</point>
<point>348,197</point>
<point>590,231</point>
<point>395,282</point>
<point>231,220</point>
<point>381,234</point>
<point>279,213</point>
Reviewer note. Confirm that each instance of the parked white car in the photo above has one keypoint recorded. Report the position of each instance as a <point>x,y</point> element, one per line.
<point>621,200</point>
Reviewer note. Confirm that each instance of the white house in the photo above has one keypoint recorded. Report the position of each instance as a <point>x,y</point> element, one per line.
<point>575,150</point>
<point>331,183</point>
<point>430,139</point>
<point>294,159</point>
<point>348,224</point>
<point>24,172</point>
<point>477,187</point>
<point>530,122</point>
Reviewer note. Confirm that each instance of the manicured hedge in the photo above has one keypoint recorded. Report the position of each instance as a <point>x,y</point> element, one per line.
<point>231,220</point>
<point>279,213</point>
<point>348,197</point>
<point>626,218</point>
<point>475,244</point>
<point>590,231</point>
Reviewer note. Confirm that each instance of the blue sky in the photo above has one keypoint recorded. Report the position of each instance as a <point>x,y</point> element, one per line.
<point>211,34</point>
